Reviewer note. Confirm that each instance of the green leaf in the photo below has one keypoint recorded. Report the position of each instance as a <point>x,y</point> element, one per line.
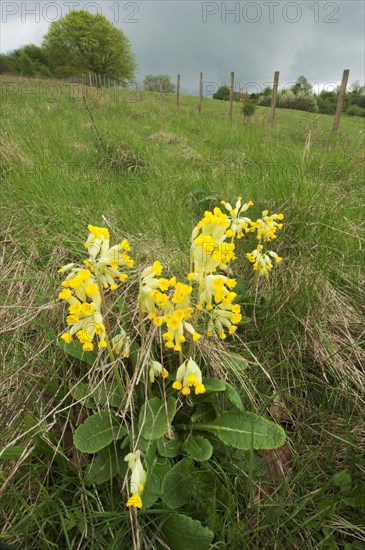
<point>244,430</point>
<point>342,480</point>
<point>157,468</point>
<point>74,349</point>
<point>134,353</point>
<point>153,420</point>
<point>168,447</point>
<point>11,453</point>
<point>103,467</point>
<point>198,447</point>
<point>182,532</point>
<point>176,490</point>
<point>82,392</point>
<point>233,396</point>
<point>213,385</point>
<point>97,432</point>
<point>108,392</point>
<point>204,413</point>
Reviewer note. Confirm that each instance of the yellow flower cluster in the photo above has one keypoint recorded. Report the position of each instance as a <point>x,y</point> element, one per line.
<point>81,289</point>
<point>266,228</point>
<point>138,478</point>
<point>156,369</point>
<point>189,375</point>
<point>104,261</point>
<point>167,302</point>
<point>239,225</point>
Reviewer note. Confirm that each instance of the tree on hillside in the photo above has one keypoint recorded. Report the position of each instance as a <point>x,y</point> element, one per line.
<point>302,86</point>
<point>222,93</point>
<point>27,61</point>
<point>152,83</point>
<point>82,42</point>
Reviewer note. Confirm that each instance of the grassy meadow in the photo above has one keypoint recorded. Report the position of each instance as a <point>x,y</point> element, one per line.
<point>149,171</point>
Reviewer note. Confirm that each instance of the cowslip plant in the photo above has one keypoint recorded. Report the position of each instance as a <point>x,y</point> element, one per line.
<point>162,417</point>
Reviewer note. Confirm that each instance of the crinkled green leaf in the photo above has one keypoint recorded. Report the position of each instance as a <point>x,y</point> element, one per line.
<point>213,385</point>
<point>103,467</point>
<point>155,417</point>
<point>233,396</point>
<point>245,430</point>
<point>168,447</point>
<point>74,349</point>
<point>204,413</point>
<point>107,392</point>
<point>157,468</point>
<point>198,447</point>
<point>97,432</point>
<point>176,489</point>
<point>185,533</point>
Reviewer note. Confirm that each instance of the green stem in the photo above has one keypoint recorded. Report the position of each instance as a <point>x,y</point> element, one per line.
<point>104,311</point>
<point>195,323</point>
<point>141,320</point>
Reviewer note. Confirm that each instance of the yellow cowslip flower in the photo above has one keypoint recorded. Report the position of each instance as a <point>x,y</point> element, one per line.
<point>148,285</point>
<point>159,298</point>
<point>72,319</point>
<point>121,344</point>
<point>156,369</point>
<point>189,375</point>
<point>67,337</point>
<point>209,254</point>
<point>65,294</point>
<point>213,223</point>
<point>224,317</point>
<point>260,261</point>
<point>85,322</point>
<point>86,308</point>
<point>239,225</point>
<point>177,324</point>
<point>105,261</point>
<point>75,308</point>
<point>65,268</point>
<point>181,294</point>
<point>138,478</point>
<point>124,245</point>
<point>215,287</point>
<point>88,346</point>
<point>155,270</point>
<point>268,226</point>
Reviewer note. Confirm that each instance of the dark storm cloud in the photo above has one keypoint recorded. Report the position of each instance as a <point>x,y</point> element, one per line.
<point>253,38</point>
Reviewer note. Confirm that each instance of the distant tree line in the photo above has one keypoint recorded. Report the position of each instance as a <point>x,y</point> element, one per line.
<point>78,43</point>
<point>157,83</point>
<point>301,97</point>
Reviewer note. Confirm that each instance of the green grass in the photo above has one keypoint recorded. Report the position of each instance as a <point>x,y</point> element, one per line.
<point>152,175</point>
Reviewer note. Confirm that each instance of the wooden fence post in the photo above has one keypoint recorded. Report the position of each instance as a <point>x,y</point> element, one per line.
<point>231,90</point>
<point>90,80</point>
<point>178,92</point>
<point>274,97</point>
<point>341,97</point>
<point>200,93</point>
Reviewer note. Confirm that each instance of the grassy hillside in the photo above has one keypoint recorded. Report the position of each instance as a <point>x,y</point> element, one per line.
<point>150,171</point>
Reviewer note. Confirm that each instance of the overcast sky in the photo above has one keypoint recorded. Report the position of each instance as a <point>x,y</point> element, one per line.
<point>252,38</point>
